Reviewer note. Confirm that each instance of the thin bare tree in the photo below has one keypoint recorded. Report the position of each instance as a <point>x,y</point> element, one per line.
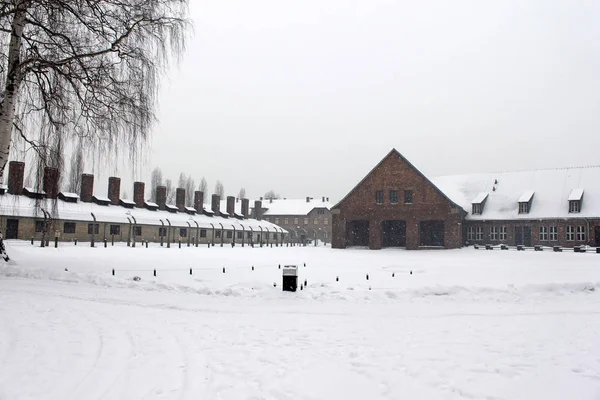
<point>203,186</point>
<point>220,189</point>
<point>242,193</point>
<point>76,170</point>
<point>190,185</point>
<point>156,179</point>
<point>170,191</point>
<point>84,70</point>
<point>271,195</point>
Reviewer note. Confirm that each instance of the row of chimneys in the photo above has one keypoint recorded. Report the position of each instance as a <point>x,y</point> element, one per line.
<point>16,173</point>
<point>308,199</point>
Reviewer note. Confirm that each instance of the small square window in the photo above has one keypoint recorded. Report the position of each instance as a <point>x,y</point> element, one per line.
<point>218,234</point>
<point>285,221</point>
<point>574,206</point>
<point>229,234</point>
<point>326,221</point>
<point>162,231</point>
<point>581,233</point>
<point>115,229</point>
<point>494,231</point>
<point>523,208</point>
<point>138,231</point>
<point>479,233</point>
<point>305,221</point>
<point>553,233</point>
<point>39,226</point>
<point>543,233</point>
<point>93,229</point>
<point>470,233</point>
<point>379,197</point>
<point>316,221</point>
<point>202,233</point>
<point>570,233</point>
<point>183,232</point>
<point>408,197</point>
<point>502,233</point>
<point>69,227</point>
<point>394,196</point>
<point>240,234</point>
<point>476,209</point>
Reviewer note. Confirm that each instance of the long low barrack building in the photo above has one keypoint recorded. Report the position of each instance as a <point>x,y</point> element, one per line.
<point>29,213</point>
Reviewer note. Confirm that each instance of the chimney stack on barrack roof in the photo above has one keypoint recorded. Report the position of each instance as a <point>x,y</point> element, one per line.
<point>323,199</point>
<point>258,210</point>
<point>114,190</point>
<point>307,199</point>
<point>50,185</point>
<point>245,208</point>
<point>215,204</point>
<point>139,189</point>
<point>231,205</point>
<point>87,188</point>
<point>199,201</point>
<point>16,174</point>
<point>161,197</point>
<point>180,199</point>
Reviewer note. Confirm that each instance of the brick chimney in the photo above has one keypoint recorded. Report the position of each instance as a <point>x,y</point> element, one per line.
<point>307,199</point>
<point>180,199</point>
<point>51,182</point>
<point>215,204</point>
<point>161,197</point>
<point>230,205</point>
<point>114,190</point>
<point>258,210</point>
<point>199,201</point>
<point>87,188</point>
<point>245,208</point>
<point>323,199</point>
<point>16,173</point>
<point>139,189</point>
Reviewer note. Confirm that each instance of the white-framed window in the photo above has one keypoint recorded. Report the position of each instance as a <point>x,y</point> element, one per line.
<point>570,233</point>
<point>494,230</point>
<point>285,221</point>
<point>574,206</point>
<point>470,233</point>
<point>553,233</point>
<point>316,221</point>
<point>476,209</point>
<point>523,208</point>
<point>581,233</point>
<point>479,233</point>
<point>326,221</point>
<point>277,221</point>
<point>502,233</point>
<point>295,221</point>
<point>305,221</point>
<point>543,233</point>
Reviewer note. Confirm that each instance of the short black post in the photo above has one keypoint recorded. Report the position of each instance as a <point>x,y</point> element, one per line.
<point>305,283</point>
<point>112,242</point>
<point>179,243</point>
<point>55,241</point>
<point>146,244</point>
<point>223,269</point>
<point>190,271</point>
<point>367,276</point>
<point>279,266</point>
<point>168,244</point>
<point>32,240</point>
<point>411,272</point>
<point>337,278</point>
<point>155,272</point>
<point>393,274</point>
<point>75,241</point>
<point>113,272</point>
<point>105,243</point>
<point>301,287</point>
<point>253,268</point>
<point>304,264</point>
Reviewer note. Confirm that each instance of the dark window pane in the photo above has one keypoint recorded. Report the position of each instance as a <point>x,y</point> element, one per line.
<point>138,231</point>
<point>183,232</point>
<point>408,196</point>
<point>202,233</point>
<point>379,197</point>
<point>393,196</point>
<point>69,227</point>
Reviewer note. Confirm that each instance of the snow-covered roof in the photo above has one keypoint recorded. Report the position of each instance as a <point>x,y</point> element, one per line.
<point>128,202</point>
<point>526,196</point>
<point>70,195</point>
<point>576,194</point>
<point>190,209</point>
<point>293,206</point>
<point>480,198</point>
<point>101,199</point>
<point>553,188</point>
<point>34,190</point>
<point>22,206</point>
<point>150,204</point>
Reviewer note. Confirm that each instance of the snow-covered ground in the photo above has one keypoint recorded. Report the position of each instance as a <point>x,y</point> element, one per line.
<point>466,324</point>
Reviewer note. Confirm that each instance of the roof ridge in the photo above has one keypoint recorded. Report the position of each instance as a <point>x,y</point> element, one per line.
<point>524,170</point>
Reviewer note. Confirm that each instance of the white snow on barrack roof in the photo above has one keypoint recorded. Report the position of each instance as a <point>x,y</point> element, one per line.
<point>480,198</point>
<point>526,196</point>
<point>552,189</point>
<point>69,194</point>
<point>576,194</point>
<point>293,206</point>
<point>23,206</point>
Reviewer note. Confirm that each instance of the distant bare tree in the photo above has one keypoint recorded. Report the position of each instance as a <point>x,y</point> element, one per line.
<point>203,186</point>
<point>170,191</point>
<point>156,179</point>
<point>84,69</point>
<point>76,171</point>
<point>220,189</point>
<point>242,193</point>
<point>190,185</point>
<point>182,180</point>
<point>271,195</point>
<point>125,195</point>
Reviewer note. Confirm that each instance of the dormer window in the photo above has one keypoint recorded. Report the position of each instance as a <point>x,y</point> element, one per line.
<point>478,203</point>
<point>525,202</point>
<point>575,199</point>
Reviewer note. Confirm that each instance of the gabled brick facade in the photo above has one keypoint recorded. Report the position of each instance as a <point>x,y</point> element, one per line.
<point>430,219</point>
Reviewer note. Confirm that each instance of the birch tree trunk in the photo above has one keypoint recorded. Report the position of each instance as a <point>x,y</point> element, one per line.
<point>8,102</point>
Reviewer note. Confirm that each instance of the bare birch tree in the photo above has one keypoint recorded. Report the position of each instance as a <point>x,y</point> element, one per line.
<point>84,69</point>
<point>156,179</point>
<point>190,185</point>
<point>76,171</point>
<point>271,195</point>
<point>220,189</point>
<point>203,186</point>
<point>242,194</point>
<point>170,191</point>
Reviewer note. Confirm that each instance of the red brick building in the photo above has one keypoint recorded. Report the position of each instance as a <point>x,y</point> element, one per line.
<point>395,205</point>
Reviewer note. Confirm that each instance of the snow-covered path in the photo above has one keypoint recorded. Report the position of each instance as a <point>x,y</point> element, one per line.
<point>84,339</point>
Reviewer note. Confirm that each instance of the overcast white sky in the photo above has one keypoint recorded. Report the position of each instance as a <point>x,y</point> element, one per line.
<point>305,97</point>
